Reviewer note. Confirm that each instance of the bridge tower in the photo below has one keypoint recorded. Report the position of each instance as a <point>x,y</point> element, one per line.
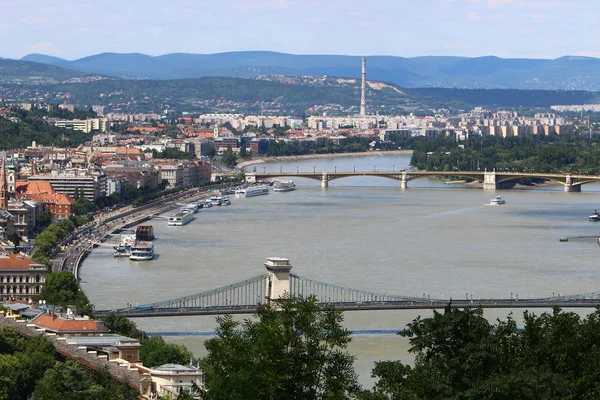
<point>404,181</point>
<point>278,280</point>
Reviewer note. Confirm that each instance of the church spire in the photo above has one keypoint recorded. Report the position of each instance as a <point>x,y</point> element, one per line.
<point>3,187</point>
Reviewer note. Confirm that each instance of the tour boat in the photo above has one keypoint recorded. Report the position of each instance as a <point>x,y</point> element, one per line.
<point>225,201</point>
<point>284,186</point>
<point>192,207</point>
<point>252,191</point>
<point>595,216</point>
<point>207,203</point>
<point>497,201</point>
<point>181,218</point>
<point>142,251</point>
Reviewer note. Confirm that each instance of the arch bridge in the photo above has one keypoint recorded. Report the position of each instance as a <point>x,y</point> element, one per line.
<point>491,180</point>
<point>246,296</point>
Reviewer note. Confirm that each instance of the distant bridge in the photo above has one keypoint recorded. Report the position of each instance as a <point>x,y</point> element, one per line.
<point>491,180</point>
<point>246,296</point>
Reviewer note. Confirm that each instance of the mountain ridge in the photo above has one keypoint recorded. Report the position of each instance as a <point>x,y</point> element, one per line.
<point>487,72</point>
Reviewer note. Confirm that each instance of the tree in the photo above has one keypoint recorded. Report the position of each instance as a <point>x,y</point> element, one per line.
<point>43,219</point>
<point>155,351</point>
<point>119,324</point>
<point>293,350</point>
<point>62,289</point>
<point>460,355</point>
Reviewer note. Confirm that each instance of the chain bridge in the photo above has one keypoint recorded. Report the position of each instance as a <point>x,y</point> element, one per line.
<point>246,296</point>
<point>491,180</point>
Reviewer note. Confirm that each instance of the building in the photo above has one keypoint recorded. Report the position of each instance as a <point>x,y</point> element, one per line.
<point>58,204</point>
<point>84,125</point>
<point>168,380</point>
<point>24,214</point>
<point>21,278</point>
<point>76,182</point>
<point>71,325</point>
<point>172,173</point>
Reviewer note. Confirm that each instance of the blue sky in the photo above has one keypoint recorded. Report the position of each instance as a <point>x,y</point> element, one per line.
<point>506,28</point>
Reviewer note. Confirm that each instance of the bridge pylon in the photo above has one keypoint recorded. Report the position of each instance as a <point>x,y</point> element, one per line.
<point>325,181</point>
<point>278,278</point>
<point>489,180</point>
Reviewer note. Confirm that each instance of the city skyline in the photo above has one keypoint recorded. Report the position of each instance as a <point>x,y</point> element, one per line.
<point>470,28</point>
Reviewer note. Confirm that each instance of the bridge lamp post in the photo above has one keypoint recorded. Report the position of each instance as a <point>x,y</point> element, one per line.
<point>280,170</point>
<point>335,168</point>
<point>355,168</point>
<point>314,169</point>
<point>394,167</point>
<point>374,168</point>
<point>297,169</point>
<point>264,170</point>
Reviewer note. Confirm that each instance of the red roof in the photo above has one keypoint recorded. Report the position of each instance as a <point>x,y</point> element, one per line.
<point>61,325</point>
<point>17,261</point>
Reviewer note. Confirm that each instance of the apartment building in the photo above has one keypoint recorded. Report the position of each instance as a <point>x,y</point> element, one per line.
<point>76,182</point>
<point>84,125</point>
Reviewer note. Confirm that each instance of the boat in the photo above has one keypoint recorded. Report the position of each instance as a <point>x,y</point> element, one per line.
<point>252,191</point>
<point>284,186</point>
<point>595,216</point>
<point>144,232</point>
<point>123,249</point>
<point>142,251</point>
<point>225,201</point>
<point>192,207</point>
<point>181,218</point>
<point>497,201</point>
<point>207,203</point>
<point>216,200</point>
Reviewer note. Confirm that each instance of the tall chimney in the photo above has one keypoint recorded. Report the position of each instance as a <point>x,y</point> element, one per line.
<point>363,89</point>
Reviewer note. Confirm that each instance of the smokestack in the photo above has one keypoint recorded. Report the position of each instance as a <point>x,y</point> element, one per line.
<point>363,89</point>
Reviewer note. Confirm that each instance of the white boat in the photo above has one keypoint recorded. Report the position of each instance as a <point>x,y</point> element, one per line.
<point>207,203</point>
<point>595,217</point>
<point>252,191</point>
<point>181,218</point>
<point>497,201</point>
<point>225,201</point>
<point>193,207</point>
<point>284,186</point>
<point>216,200</point>
<point>142,251</point>
<point>123,249</point>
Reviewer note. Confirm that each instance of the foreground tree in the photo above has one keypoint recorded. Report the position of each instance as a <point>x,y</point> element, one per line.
<point>460,355</point>
<point>290,351</point>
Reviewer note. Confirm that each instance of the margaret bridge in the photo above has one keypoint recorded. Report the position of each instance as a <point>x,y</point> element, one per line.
<point>491,180</point>
<point>246,296</point>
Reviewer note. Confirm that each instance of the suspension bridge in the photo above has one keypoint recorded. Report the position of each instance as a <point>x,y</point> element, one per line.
<point>246,296</point>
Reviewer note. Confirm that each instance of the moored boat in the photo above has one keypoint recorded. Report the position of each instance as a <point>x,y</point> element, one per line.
<point>192,207</point>
<point>595,216</point>
<point>181,218</point>
<point>252,191</point>
<point>142,251</point>
<point>284,186</point>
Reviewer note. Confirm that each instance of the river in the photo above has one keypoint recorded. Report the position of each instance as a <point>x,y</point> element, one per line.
<point>431,239</point>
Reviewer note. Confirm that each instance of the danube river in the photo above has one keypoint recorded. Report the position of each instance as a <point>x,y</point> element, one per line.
<point>431,239</point>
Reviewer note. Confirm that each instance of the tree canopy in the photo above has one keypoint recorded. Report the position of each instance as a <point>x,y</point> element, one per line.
<point>292,350</point>
<point>460,355</point>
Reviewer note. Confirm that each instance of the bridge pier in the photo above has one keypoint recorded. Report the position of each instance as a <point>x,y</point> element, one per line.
<point>325,181</point>
<point>404,181</point>
<point>569,186</point>
<point>489,180</point>
<point>278,281</point>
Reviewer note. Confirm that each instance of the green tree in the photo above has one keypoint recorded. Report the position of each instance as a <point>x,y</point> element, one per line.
<point>119,324</point>
<point>43,220</point>
<point>291,351</point>
<point>62,289</point>
<point>229,159</point>
<point>155,351</point>
<point>71,381</point>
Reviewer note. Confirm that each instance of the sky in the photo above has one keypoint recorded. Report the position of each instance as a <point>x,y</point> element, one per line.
<point>73,29</point>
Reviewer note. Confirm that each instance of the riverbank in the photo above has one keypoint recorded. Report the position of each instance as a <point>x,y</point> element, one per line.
<point>262,160</point>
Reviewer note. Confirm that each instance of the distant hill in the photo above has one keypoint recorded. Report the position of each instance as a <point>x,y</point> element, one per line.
<point>565,73</point>
<point>25,72</point>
